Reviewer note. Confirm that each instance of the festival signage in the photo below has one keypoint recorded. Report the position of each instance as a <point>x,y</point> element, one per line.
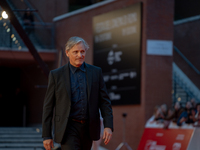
<point>162,139</point>
<point>117,50</point>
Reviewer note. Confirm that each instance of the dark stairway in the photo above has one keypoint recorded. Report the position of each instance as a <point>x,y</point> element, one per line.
<point>19,138</point>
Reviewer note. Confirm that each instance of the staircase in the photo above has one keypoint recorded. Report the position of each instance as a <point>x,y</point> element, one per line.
<point>186,66</point>
<point>24,138</point>
<point>184,88</point>
<point>39,30</point>
<point>19,138</point>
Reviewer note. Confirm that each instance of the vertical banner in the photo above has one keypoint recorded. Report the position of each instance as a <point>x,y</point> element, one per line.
<point>117,47</point>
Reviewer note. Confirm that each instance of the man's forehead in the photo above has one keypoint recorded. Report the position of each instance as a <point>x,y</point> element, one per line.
<point>77,49</point>
<point>79,46</point>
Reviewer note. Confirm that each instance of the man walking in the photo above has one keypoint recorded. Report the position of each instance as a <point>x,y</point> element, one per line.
<point>76,91</point>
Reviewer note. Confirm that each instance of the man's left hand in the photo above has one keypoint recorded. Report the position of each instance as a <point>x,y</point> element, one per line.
<point>107,135</point>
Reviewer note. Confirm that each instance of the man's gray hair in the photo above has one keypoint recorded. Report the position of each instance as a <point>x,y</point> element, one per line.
<point>75,40</point>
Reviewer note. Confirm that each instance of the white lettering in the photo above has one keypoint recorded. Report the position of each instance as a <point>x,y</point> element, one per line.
<point>129,30</point>
<point>103,37</point>
<point>114,96</point>
<point>114,57</point>
<point>115,22</point>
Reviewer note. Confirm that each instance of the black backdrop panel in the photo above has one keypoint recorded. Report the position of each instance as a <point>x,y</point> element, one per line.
<point>117,46</point>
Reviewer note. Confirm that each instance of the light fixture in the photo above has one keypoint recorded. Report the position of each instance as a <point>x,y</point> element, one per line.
<point>12,36</point>
<point>4,15</point>
<point>179,99</point>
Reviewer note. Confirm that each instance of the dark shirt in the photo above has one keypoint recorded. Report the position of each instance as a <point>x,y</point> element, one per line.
<point>78,84</point>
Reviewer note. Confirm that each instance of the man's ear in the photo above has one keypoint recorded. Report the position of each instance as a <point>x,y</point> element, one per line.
<point>67,53</point>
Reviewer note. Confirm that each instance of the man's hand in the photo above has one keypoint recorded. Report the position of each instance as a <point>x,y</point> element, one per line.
<point>107,135</point>
<point>48,144</point>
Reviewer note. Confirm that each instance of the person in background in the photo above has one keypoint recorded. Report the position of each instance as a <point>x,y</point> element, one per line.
<point>28,20</point>
<point>193,101</point>
<point>196,115</point>
<point>156,110</point>
<point>175,113</point>
<point>186,116</point>
<point>161,112</point>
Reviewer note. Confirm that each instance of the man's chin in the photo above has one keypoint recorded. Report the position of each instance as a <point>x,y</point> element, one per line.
<point>79,64</point>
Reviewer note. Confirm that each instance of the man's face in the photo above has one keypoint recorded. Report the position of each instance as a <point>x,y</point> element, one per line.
<point>76,55</point>
<point>188,105</point>
<point>177,105</point>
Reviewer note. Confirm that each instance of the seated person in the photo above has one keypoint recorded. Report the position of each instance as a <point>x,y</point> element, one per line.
<point>175,113</point>
<point>161,112</point>
<point>193,101</point>
<point>196,116</point>
<point>186,116</point>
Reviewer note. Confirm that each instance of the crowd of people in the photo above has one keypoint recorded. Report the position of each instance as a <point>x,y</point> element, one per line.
<point>190,114</point>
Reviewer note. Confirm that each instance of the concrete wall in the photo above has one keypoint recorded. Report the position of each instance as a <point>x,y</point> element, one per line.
<point>156,71</point>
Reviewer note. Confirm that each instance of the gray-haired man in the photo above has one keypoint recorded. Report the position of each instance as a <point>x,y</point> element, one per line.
<point>77,92</point>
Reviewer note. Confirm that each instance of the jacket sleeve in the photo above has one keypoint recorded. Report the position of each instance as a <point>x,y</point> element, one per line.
<point>105,104</point>
<point>48,107</point>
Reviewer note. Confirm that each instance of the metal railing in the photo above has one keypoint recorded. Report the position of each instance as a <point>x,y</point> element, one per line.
<point>188,62</point>
<point>9,38</point>
<point>184,86</point>
<point>176,80</point>
<point>40,33</point>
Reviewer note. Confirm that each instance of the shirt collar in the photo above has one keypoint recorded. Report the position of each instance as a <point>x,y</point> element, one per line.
<point>73,69</point>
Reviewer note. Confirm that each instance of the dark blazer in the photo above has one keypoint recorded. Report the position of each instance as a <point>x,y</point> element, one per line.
<point>58,96</point>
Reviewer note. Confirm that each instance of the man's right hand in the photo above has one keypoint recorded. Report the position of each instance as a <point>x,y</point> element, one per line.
<point>48,144</point>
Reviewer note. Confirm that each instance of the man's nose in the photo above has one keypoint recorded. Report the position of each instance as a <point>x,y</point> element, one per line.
<point>80,54</point>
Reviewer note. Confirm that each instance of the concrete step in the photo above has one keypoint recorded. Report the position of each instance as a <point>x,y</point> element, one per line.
<point>21,140</point>
<point>22,149</point>
<point>18,128</point>
<point>21,136</point>
<point>21,145</point>
<point>18,138</point>
<point>19,132</point>
<point>24,145</point>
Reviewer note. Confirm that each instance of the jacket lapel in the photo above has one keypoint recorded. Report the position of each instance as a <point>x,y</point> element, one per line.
<point>66,77</point>
<point>89,79</point>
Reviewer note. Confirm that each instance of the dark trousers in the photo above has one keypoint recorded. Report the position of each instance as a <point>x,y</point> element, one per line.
<point>76,136</point>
